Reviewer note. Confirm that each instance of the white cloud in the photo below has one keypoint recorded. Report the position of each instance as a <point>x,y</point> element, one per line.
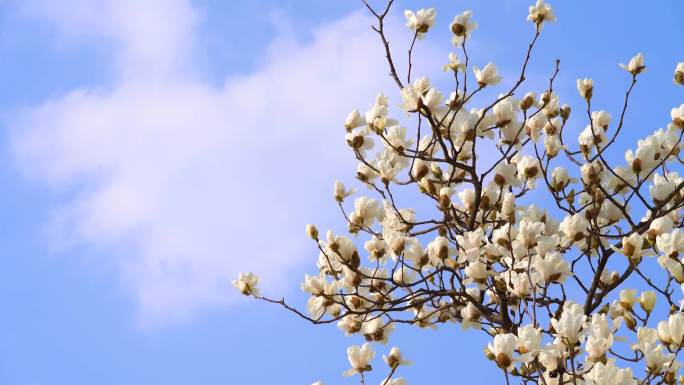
<point>187,183</point>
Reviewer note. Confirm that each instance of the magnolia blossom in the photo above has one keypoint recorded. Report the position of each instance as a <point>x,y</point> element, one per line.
<point>353,120</point>
<point>635,65</point>
<point>420,21</point>
<point>609,374</point>
<point>502,349</point>
<point>394,359</point>
<point>541,12</point>
<point>574,227</point>
<point>677,115</point>
<point>487,76</point>
<point>570,323</point>
<point>647,300</point>
<point>529,341</point>
<point>455,63</point>
<point>585,87</point>
<point>340,192</point>
<point>552,267</point>
<point>462,27</point>
<point>671,331</point>
<point>247,284</point>
<point>359,358</point>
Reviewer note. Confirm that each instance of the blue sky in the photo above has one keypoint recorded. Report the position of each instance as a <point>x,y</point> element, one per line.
<point>150,150</point>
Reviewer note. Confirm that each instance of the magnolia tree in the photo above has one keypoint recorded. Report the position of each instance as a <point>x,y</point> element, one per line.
<point>546,284</point>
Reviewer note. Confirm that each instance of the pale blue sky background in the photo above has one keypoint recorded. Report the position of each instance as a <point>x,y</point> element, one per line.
<point>96,287</point>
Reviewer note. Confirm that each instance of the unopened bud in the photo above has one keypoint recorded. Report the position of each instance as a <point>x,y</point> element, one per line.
<point>312,232</point>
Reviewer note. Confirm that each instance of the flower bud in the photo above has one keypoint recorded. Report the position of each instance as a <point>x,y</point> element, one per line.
<point>527,101</point>
<point>312,232</point>
<point>679,74</point>
<point>586,88</point>
<point>647,300</point>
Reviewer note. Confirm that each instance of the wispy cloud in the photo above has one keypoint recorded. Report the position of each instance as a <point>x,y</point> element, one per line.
<point>188,183</point>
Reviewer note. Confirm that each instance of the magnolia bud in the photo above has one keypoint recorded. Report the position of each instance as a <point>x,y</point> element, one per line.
<point>679,78</point>
<point>527,101</point>
<point>565,112</point>
<point>647,300</point>
<point>312,232</point>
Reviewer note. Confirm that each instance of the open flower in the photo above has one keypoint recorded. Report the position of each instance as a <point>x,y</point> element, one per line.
<point>635,65</point>
<point>585,87</point>
<point>353,120</point>
<point>677,115</point>
<point>553,267</point>
<point>420,21</point>
<point>359,358</point>
<point>461,27</point>
<point>570,323</point>
<point>487,76</point>
<point>502,349</point>
<point>247,284</point>
<point>394,359</point>
<point>541,12</point>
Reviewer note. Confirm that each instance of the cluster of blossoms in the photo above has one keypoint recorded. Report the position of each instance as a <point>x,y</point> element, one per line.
<point>547,284</point>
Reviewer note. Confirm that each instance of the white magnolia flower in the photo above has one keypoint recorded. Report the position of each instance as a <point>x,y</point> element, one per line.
<point>574,227</point>
<point>585,87</point>
<point>647,300</point>
<point>394,359</point>
<point>672,243</point>
<point>377,330</point>
<point>664,186</point>
<point>635,65</point>
<point>570,323</point>
<point>420,21</point>
<point>438,250</point>
<point>632,246</point>
<point>559,178</point>
<point>659,226</point>
<point>528,169</point>
<point>314,285</point>
<point>476,271</point>
<point>528,231</point>
<point>505,175</point>
<point>553,267</point>
<point>455,63</point>
<point>677,115</point>
<point>609,374</point>
<point>340,192</point>
<point>247,284</point>
<point>529,341</point>
<point>353,120</point>
<point>671,332</point>
<point>502,349</point>
<point>461,27</point>
<point>359,358</point>
<point>591,173</point>
<point>601,336</point>
<point>366,212</point>
<point>487,76</point>
<point>552,145</point>
<point>601,118</point>
<point>541,12</point>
